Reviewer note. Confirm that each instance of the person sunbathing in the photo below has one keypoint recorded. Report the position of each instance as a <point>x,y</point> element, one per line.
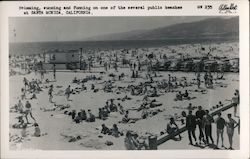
<point>130,144</point>
<point>20,123</point>
<point>121,109</point>
<point>125,98</point>
<point>179,96</point>
<point>145,98</point>
<point>125,119</point>
<point>107,108</point>
<point>144,105</point>
<point>112,106</point>
<point>105,113</point>
<point>83,114</point>
<point>92,86</point>
<point>78,118</point>
<point>105,130</point>
<point>91,117</point>
<point>144,114</point>
<point>154,94</point>
<point>83,87</point>
<point>102,114</point>
<point>73,114</point>
<point>75,80</point>
<point>60,106</point>
<point>153,104</point>
<point>115,131</point>
<point>186,95</point>
<point>33,96</point>
<point>190,106</point>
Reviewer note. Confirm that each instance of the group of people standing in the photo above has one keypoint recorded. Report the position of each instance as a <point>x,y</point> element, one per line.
<point>204,121</point>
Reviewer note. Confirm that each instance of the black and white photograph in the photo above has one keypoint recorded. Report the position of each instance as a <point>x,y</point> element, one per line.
<point>124,83</point>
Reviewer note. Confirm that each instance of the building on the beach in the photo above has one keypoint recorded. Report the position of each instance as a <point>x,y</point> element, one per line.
<point>61,59</point>
<point>64,57</point>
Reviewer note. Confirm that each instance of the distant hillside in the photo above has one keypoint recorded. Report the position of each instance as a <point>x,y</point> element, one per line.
<point>117,36</point>
<point>209,28</point>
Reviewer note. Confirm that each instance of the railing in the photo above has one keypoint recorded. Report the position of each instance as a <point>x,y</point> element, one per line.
<point>166,137</point>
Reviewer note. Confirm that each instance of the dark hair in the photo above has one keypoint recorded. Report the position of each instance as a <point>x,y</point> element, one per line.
<point>128,134</point>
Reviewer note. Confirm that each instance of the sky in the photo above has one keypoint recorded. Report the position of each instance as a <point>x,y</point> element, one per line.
<point>42,29</point>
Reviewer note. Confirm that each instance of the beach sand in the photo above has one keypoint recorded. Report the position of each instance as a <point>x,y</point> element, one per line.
<point>59,127</point>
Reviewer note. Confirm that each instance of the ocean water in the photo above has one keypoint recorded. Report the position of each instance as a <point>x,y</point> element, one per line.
<point>43,47</point>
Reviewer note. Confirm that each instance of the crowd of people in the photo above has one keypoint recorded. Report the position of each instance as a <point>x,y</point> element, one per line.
<point>147,90</point>
<point>204,120</point>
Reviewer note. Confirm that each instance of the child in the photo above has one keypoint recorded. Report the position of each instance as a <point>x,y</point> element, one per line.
<point>37,132</point>
<point>115,131</point>
<point>105,129</point>
<point>91,117</point>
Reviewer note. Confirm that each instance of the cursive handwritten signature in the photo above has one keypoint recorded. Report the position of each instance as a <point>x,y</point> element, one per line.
<point>225,8</point>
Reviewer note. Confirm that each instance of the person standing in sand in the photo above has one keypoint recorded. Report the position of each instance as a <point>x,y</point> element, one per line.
<point>169,83</point>
<point>23,95</point>
<point>230,124</point>
<point>42,74</point>
<point>50,93</point>
<point>199,116</point>
<point>37,132</point>
<point>20,106</point>
<point>206,79</point>
<point>198,80</point>
<point>191,126</point>
<point>220,124</point>
<point>28,111</point>
<point>25,81</point>
<point>235,102</point>
<point>54,71</point>
<point>207,123</point>
<point>68,92</point>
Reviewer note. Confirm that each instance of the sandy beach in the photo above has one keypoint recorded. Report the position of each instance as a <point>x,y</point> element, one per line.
<point>58,128</point>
